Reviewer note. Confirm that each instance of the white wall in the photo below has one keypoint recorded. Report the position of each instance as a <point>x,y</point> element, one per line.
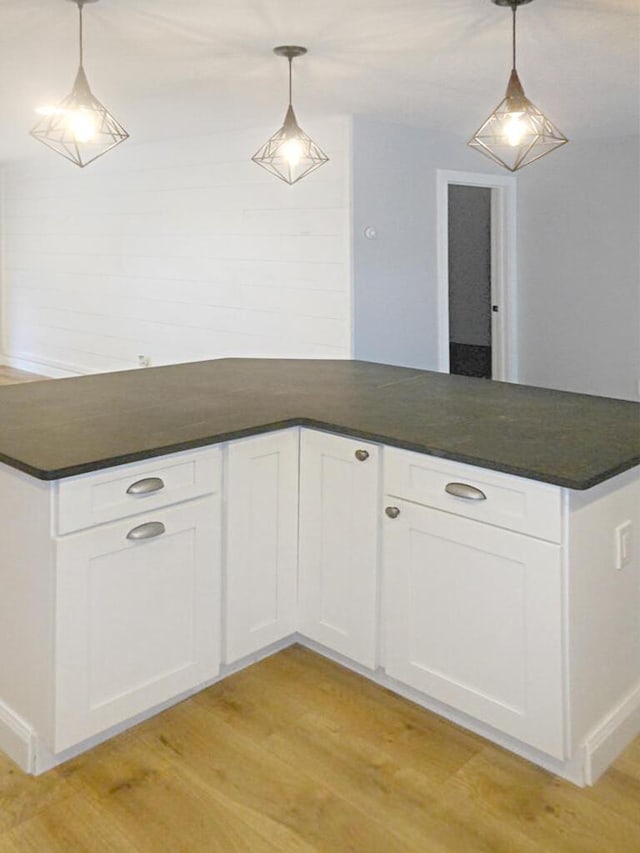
<point>396,275</point>
<point>579,269</point>
<point>183,249</point>
<point>578,256</point>
<point>180,250</point>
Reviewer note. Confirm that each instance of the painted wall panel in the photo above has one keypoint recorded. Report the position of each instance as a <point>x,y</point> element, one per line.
<point>178,249</point>
<point>579,269</point>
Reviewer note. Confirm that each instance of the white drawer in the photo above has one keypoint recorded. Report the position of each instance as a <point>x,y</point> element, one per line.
<point>138,487</point>
<point>513,503</point>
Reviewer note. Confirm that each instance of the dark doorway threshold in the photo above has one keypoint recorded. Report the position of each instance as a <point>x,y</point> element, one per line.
<point>470,360</point>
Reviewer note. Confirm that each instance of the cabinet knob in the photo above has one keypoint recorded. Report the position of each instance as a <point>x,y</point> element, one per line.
<point>464,490</point>
<point>392,511</point>
<point>362,455</point>
<point>146,531</point>
<point>146,486</point>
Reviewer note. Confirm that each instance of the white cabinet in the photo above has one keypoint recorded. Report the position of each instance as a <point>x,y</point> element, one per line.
<point>137,612</point>
<point>338,560</point>
<point>261,541</point>
<point>473,615</point>
<point>499,604</point>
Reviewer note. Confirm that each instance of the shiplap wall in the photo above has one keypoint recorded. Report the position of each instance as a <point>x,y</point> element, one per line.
<point>177,250</point>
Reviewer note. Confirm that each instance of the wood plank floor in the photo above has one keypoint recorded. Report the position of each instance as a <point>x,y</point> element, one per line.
<point>298,755</point>
<point>11,376</point>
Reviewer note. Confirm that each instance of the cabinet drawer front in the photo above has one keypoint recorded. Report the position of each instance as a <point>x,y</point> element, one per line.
<point>140,487</point>
<point>503,500</point>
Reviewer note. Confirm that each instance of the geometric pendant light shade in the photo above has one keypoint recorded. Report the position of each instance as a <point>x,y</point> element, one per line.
<point>290,154</point>
<point>79,128</point>
<point>516,133</point>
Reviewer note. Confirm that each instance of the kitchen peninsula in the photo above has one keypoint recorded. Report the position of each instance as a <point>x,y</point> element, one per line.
<point>466,543</point>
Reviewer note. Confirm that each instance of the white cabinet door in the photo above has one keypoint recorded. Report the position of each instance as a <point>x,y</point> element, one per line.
<point>261,542</point>
<point>473,618</point>
<point>338,566</point>
<point>137,619</point>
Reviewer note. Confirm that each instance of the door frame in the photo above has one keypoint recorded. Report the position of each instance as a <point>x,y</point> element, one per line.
<point>503,268</point>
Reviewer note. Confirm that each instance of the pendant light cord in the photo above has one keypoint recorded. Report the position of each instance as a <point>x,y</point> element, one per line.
<point>290,72</point>
<point>514,9</point>
<point>80,41</point>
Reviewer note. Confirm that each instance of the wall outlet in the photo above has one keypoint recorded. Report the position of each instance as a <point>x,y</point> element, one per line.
<point>624,544</point>
<point>144,361</point>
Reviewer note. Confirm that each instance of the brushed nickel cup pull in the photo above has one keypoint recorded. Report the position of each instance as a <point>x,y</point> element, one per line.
<point>463,490</point>
<point>362,455</point>
<point>146,486</point>
<point>392,511</point>
<point>146,531</point>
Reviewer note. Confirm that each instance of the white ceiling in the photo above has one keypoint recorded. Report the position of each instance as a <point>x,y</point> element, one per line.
<point>208,63</point>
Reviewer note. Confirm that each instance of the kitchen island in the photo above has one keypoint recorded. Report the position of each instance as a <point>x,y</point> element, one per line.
<point>466,543</point>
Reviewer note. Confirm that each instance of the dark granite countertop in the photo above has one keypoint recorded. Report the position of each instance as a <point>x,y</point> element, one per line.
<point>59,428</point>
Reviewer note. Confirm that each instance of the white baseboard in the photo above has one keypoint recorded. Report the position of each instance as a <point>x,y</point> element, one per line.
<point>52,369</point>
<point>63,369</point>
<point>605,743</point>
<point>17,739</point>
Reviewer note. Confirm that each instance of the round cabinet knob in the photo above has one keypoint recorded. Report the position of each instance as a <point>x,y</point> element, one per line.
<point>362,455</point>
<point>392,511</point>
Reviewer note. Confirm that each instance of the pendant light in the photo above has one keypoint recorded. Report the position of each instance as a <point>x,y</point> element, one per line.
<point>290,154</point>
<point>79,128</point>
<point>516,133</point>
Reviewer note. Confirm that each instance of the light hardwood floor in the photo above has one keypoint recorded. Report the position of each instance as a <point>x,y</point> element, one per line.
<point>11,376</point>
<point>297,754</point>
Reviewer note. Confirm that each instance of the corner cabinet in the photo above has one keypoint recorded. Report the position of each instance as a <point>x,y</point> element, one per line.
<point>338,561</point>
<point>473,611</point>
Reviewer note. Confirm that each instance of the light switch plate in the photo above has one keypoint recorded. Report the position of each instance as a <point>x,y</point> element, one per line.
<point>624,544</point>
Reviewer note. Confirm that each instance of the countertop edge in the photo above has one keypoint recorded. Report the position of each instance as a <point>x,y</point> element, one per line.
<point>52,475</point>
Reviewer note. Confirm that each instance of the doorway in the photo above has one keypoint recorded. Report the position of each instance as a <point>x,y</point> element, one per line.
<point>476,275</point>
<point>470,294</point>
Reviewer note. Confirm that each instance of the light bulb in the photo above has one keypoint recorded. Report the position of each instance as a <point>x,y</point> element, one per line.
<point>82,124</point>
<point>293,151</point>
<point>80,121</point>
<point>515,129</point>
